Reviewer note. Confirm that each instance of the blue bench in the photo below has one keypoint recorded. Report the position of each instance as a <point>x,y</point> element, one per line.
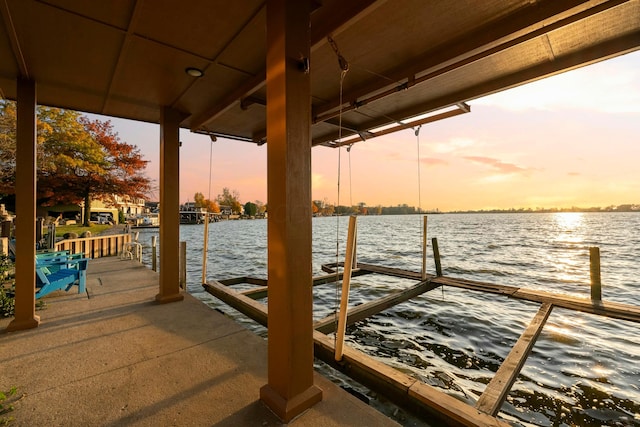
<point>60,274</point>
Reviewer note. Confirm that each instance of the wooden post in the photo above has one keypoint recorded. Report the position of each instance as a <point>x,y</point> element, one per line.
<point>424,248</point>
<point>596,284</point>
<point>169,286</point>
<point>205,248</point>
<point>183,265</point>
<point>436,256</point>
<point>25,268</point>
<point>154,253</point>
<point>346,282</point>
<point>290,389</point>
<point>354,264</point>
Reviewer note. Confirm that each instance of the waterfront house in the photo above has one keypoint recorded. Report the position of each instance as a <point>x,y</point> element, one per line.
<point>270,72</point>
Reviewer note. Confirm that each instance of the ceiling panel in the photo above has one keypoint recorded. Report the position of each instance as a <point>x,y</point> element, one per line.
<point>154,73</point>
<point>203,27</point>
<point>66,48</point>
<point>114,12</point>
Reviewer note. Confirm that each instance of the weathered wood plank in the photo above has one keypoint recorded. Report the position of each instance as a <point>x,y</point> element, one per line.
<point>261,292</point>
<point>455,411</point>
<point>402,388</point>
<point>243,304</point>
<point>602,308</point>
<point>362,311</point>
<point>497,390</point>
<point>244,279</point>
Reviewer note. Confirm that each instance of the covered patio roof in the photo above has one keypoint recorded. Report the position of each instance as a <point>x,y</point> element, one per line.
<point>203,65</point>
<point>406,58</point>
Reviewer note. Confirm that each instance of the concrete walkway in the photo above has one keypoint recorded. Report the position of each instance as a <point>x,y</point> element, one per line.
<point>118,359</point>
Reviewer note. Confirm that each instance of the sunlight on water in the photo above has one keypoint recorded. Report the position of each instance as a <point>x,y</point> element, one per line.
<point>568,221</point>
<point>583,370</point>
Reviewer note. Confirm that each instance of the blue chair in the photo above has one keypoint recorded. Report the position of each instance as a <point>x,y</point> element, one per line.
<point>58,275</point>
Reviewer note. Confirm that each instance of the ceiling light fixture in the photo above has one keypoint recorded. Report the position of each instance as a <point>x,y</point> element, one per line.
<point>194,72</point>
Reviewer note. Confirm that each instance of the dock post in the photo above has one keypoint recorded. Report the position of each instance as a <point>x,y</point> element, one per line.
<point>169,280</point>
<point>183,265</point>
<point>346,282</point>
<point>596,284</point>
<point>436,256</point>
<point>25,189</point>
<point>154,253</point>
<point>424,248</point>
<point>205,247</point>
<point>290,389</point>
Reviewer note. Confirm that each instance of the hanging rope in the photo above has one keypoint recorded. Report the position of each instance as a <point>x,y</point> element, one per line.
<point>417,132</point>
<point>344,67</point>
<point>350,186</point>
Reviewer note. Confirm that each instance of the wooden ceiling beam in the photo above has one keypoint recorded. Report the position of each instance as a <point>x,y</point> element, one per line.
<point>368,134</point>
<point>323,23</point>
<point>487,40</point>
<point>610,48</point>
<point>13,39</point>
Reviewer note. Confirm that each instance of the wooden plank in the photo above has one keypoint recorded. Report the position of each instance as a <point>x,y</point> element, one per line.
<point>258,293</point>
<point>402,388</point>
<point>601,308</point>
<point>244,279</point>
<point>362,311</point>
<point>390,271</point>
<point>243,304</point>
<point>497,390</point>
<point>455,411</point>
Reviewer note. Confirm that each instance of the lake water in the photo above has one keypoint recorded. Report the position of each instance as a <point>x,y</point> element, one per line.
<point>584,369</point>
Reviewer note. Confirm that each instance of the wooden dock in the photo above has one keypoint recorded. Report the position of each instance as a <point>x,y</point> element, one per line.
<point>403,389</point>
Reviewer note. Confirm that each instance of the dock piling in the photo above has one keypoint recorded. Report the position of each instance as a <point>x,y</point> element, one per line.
<point>205,247</point>
<point>596,284</point>
<point>424,248</point>
<point>154,254</point>
<point>436,256</point>
<point>346,282</point>
<point>183,265</point>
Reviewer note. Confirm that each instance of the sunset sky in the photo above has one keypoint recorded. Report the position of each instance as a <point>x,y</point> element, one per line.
<point>570,140</point>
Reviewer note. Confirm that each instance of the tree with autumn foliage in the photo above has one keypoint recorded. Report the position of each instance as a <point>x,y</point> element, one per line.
<point>78,160</point>
<point>210,205</point>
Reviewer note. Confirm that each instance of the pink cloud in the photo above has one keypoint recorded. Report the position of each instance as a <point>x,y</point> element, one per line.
<point>432,161</point>
<point>496,164</point>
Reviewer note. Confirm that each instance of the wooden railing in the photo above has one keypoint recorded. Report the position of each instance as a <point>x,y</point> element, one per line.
<point>94,247</point>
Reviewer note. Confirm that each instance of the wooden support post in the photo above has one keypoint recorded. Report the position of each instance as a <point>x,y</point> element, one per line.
<point>154,253</point>
<point>290,389</point>
<point>424,248</point>
<point>346,282</point>
<point>436,256</point>
<point>169,206</point>
<point>491,400</point>
<point>596,284</point>
<point>183,265</point>
<point>205,248</point>
<point>25,268</point>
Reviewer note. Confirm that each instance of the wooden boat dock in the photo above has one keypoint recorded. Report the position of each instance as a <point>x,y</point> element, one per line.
<point>114,357</point>
<point>403,389</point>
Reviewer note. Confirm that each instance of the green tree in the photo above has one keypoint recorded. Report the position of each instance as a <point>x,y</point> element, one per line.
<point>250,209</point>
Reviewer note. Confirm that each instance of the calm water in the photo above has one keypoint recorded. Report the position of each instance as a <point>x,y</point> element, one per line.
<point>584,369</point>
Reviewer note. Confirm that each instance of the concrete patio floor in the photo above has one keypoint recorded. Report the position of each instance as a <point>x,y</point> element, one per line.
<point>117,358</point>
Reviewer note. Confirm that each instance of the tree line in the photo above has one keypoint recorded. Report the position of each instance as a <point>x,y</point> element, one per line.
<point>231,200</point>
<point>78,160</point>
